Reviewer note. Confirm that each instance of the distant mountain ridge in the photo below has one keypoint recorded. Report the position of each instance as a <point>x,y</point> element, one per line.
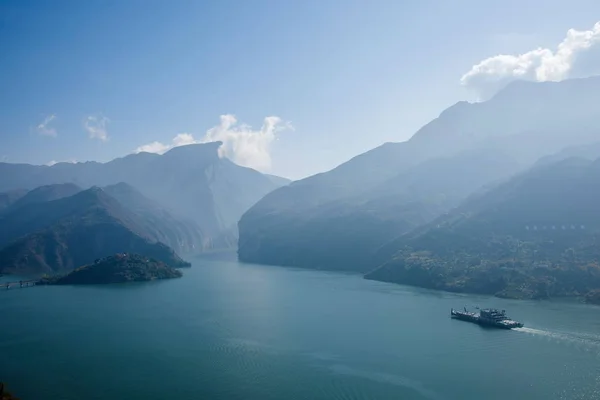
<point>339,219</point>
<point>9,198</point>
<point>191,182</point>
<point>46,193</point>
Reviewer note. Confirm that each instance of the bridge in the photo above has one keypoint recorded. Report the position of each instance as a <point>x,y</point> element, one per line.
<point>19,284</point>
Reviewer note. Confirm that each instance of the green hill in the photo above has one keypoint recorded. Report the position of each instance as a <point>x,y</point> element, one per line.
<point>120,268</point>
<point>535,236</point>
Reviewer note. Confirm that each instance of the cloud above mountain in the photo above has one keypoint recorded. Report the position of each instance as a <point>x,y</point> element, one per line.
<point>181,139</point>
<point>44,127</point>
<point>54,162</point>
<point>577,55</point>
<point>96,127</point>
<point>241,144</point>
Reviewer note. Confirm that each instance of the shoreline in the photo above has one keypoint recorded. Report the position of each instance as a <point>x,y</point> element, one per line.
<point>570,299</point>
<point>581,299</point>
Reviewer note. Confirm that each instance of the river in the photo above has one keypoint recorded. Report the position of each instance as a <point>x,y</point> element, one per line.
<point>233,331</point>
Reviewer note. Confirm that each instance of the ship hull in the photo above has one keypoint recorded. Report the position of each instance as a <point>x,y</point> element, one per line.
<point>476,319</point>
<point>469,317</point>
<point>494,325</point>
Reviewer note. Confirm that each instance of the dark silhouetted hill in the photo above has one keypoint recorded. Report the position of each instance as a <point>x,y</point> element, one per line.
<point>62,234</point>
<point>119,268</point>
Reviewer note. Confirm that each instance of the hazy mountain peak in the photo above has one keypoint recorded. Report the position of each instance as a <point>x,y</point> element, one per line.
<point>456,108</point>
<point>523,92</point>
<point>95,189</point>
<point>9,198</point>
<point>566,112</point>
<point>92,197</point>
<point>202,194</point>
<point>121,186</point>
<point>47,189</point>
<point>47,193</point>
<point>198,149</point>
<point>140,155</point>
<point>326,218</point>
<point>278,180</point>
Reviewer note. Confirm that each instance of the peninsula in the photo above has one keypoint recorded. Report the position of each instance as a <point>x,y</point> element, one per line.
<point>120,268</point>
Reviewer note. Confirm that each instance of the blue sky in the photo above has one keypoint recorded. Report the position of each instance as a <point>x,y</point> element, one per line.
<point>346,75</point>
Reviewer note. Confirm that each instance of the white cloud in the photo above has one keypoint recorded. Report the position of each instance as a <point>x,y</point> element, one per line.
<point>578,55</point>
<point>157,147</point>
<point>241,144</point>
<point>154,147</point>
<point>95,125</point>
<point>44,128</point>
<point>53,162</point>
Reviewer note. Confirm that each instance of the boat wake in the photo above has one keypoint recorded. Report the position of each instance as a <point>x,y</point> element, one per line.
<point>586,339</point>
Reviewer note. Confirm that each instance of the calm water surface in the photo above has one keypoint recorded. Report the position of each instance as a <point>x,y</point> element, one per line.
<point>232,331</point>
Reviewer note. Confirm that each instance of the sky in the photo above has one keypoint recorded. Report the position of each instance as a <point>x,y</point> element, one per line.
<point>292,88</point>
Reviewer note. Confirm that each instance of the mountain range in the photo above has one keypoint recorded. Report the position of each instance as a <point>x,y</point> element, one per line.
<point>206,194</point>
<point>358,216</point>
<point>497,197</point>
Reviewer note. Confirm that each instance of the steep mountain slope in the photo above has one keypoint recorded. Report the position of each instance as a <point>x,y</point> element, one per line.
<point>337,219</point>
<point>181,235</point>
<point>278,180</point>
<point>345,234</point>
<point>561,113</point>
<point>533,236</point>
<point>589,151</point>
<point>192,182</point>
<point>66,233</point>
